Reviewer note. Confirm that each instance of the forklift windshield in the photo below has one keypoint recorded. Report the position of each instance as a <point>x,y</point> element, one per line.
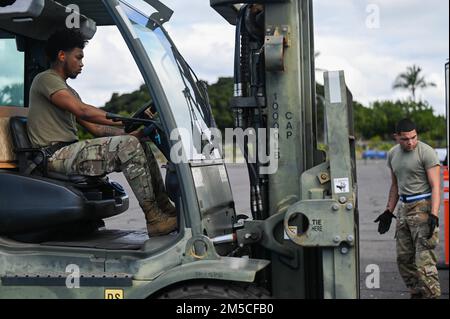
<point>186,96</point>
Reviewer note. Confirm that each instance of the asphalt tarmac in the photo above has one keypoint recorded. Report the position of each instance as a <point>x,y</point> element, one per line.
<point>377,252</point>
<point>375,249</point>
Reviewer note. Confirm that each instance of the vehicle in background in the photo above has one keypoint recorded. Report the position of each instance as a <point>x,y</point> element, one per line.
<point>374,154</point>
<point>442,154</point>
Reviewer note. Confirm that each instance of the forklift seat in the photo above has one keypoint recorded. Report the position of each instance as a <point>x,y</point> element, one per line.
<point>38,205</point>
<point>32,159</point>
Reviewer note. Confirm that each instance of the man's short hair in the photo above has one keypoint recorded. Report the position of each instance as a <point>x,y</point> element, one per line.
<point>64,40</point>
<point>405,125</point>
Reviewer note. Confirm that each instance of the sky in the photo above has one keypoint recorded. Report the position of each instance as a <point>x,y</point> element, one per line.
<point>373,54</point>
<point>12,69</point>
<point>371,40</point>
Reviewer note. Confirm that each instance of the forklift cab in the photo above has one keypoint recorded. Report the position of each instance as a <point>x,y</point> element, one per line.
<point>38,205</point>
<point>59,218</point>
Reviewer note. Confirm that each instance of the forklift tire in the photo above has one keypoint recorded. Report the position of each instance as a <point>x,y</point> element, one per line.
<point>215,290</point>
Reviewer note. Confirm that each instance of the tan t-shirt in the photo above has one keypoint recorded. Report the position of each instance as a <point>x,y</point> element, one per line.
<point>410,168</point>
<point>47,123</point>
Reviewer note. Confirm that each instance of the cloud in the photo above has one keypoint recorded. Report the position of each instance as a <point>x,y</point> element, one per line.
<point>369,75</point>
<point>207,47</point>
<point>192,12</point>
<point>411,32</point>
<point>108,67</point>
<point>12,63</point>
<point>204,38</point>
<point>201,35</point>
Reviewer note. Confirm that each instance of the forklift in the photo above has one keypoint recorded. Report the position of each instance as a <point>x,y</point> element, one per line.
<point>299,241</point>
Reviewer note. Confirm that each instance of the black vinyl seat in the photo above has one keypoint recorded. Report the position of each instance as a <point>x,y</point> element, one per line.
<point>51,203</point>
<point>26,154</point>
<point>33,160</point>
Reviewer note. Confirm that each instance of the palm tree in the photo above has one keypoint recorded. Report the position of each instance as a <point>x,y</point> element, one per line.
<point>316,55</point>
<point>412,80</point>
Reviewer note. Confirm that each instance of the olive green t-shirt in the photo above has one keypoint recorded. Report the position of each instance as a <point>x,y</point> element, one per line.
<point>47,123</point>
<point>410,168</point>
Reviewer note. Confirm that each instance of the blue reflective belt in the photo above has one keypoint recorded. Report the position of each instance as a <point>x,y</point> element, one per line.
<point>414,198</point>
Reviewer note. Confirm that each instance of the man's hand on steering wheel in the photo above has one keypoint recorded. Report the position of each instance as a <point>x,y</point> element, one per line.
<point>149,113</point>
<point>142,134</point>
<point>139,134</point>
<point>145,112</point>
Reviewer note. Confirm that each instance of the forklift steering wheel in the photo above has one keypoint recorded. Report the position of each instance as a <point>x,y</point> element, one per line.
<point>140,114</point>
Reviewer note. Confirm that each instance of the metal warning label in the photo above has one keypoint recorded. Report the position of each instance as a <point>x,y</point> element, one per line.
<point>113,293</point>
<point>341,185</point>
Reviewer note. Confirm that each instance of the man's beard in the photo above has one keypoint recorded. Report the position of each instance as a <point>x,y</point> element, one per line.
<point>408,149</point>
<point>70,75</point>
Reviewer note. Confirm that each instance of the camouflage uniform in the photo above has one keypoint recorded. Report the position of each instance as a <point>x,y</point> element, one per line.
<point>416,256</point>
<point>101,156</point>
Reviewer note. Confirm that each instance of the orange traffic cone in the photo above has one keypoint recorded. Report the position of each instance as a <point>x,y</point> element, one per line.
<point>446,217</point>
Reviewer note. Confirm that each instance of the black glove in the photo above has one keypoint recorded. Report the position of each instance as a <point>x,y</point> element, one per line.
<point>384,220</point>
<point>433,222</point>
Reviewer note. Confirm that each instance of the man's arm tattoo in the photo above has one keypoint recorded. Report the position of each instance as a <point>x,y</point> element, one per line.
<point>104,131</point>
<point>393,198</point>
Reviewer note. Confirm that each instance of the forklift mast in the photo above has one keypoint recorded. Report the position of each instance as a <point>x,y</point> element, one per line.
<point>305,214</point>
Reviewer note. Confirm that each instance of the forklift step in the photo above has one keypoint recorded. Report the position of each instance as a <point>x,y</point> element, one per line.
<point>60,278</point>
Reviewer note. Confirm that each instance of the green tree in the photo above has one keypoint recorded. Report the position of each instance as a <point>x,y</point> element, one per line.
<point>381,117</point>
<point>316,55</point>
<point>378,120</point>
<point>128,103</point>
<point>412,80</point>
<point>220,95</point>
<point>12,95</point>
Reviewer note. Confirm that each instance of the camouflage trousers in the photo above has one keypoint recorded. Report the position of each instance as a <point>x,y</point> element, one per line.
<point>101,156</point>
<point>416,256</point>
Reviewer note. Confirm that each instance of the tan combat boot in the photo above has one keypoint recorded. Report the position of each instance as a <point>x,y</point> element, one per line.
<point>166,205</point>
<point>415,293</point>
<point>159,223</point>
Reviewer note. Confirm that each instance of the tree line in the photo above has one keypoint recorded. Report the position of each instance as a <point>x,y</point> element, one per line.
<point>375,121</point>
